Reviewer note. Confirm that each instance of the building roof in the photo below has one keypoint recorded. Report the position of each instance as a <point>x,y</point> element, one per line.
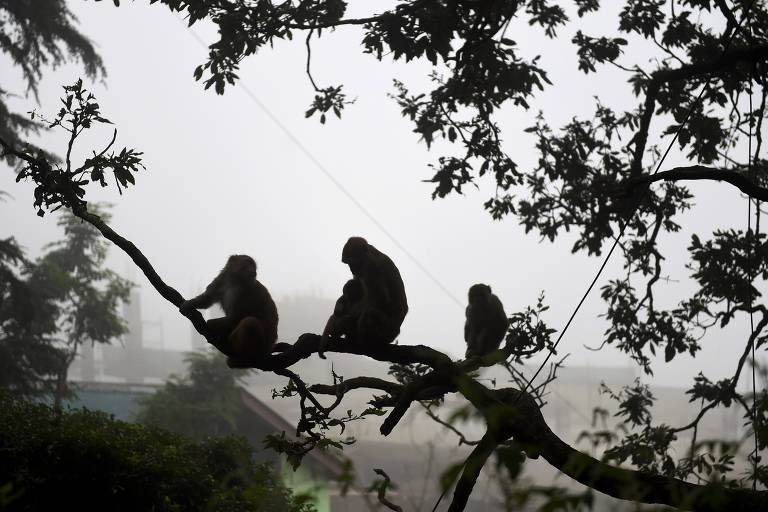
<point>324,460</point>
<point>121,400</point>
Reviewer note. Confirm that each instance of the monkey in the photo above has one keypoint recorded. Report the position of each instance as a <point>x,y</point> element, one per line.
<point>384,303</point>
<point>345,315</point>
<point>486,323</point>
<point>248,330</point>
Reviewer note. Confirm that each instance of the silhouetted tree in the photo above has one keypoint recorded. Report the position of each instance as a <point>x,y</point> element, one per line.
<point>36,34</point>
<point>204,402</point>
<point>54,305</point>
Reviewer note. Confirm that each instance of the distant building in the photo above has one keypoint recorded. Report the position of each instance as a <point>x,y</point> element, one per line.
<point>131,360</point>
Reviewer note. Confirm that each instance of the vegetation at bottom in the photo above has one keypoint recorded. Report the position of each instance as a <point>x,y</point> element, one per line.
<point>51,459</point>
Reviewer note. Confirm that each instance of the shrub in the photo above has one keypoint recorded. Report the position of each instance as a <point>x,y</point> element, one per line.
<point>90,461</point>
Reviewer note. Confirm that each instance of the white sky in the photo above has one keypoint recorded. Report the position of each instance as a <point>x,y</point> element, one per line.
<point>222,177</point>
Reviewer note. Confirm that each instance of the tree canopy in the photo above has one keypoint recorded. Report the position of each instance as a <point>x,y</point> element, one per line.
<point>204,402</point>
<point>35,35</point>
<point>602,177</point>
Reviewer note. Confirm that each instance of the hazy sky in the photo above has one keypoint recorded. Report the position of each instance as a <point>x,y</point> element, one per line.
<point>246,173</point>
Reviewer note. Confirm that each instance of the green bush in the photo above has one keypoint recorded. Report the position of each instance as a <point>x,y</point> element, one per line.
<point>84,459</point>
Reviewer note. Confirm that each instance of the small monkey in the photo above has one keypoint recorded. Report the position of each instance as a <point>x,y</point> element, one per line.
<point>249,328</point>
<point>346,312</point>
<point>486,323</point>
<point>384,304</point>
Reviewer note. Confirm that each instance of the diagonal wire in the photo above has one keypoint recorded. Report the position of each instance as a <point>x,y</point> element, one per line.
<point>623,224</point>
<point>312,158</point>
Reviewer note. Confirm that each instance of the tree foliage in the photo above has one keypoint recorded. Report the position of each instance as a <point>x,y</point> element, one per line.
<point>36,34</point>
<point>27,359</point>
<point>203,402</point>
<point>53,306</point>
<point>48,456</point>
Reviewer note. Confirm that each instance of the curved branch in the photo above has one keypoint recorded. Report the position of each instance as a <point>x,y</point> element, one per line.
<point>392,388</point>
<point>437,419</point>
<point>474,463</point>
<point>700,172</point>
<point>382,493</point>
<point>728,59</point>
<point>514,414</point>
<point>167,292</point>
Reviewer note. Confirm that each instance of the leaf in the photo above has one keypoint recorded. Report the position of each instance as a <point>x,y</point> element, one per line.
<point>669,352</point>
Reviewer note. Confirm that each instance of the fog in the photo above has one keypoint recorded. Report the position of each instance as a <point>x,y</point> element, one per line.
<point>247,173</point>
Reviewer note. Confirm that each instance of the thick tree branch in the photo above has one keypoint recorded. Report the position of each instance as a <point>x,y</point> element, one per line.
<point>641,136</point>
<point>472,467</point>
<point>700,172</point>
<point>167,292</point>
<point>727,60</point>
<point>392,388</point>
<point>512,414</point>
<point>732,22</point>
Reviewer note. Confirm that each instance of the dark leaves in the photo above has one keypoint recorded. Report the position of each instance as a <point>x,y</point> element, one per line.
<point>328,99</point>
<point>642,16</point>
<point>59,185</point>
<point>596,50</point>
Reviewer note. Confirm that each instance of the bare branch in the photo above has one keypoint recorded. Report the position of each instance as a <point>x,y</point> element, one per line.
<point>382,494</point>
<point>462,438</point>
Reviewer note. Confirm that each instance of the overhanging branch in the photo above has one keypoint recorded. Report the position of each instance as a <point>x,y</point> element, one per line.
<point>700,172</point>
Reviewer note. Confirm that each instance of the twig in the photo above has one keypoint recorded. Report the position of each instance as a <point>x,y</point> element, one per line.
<point>382,493</point>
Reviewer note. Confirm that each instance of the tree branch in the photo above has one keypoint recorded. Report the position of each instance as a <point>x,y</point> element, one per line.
<point>356,383</point>
<point>513,414</point>
<point>732,22</point>
<point>382,492</point>
<point>474,463</point>
<point>700,172</point>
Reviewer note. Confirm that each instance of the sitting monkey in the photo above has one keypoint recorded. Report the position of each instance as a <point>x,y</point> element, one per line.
<point>249,328</point>
<point>486,323</point>
<point>384,304</point>
<point>346,312</point>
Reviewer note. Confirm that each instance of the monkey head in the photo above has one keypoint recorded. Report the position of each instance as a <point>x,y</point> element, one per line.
<point>355,254</point>
<point>353,290</point>
<point>479,293</point>
<point>241,267</point>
